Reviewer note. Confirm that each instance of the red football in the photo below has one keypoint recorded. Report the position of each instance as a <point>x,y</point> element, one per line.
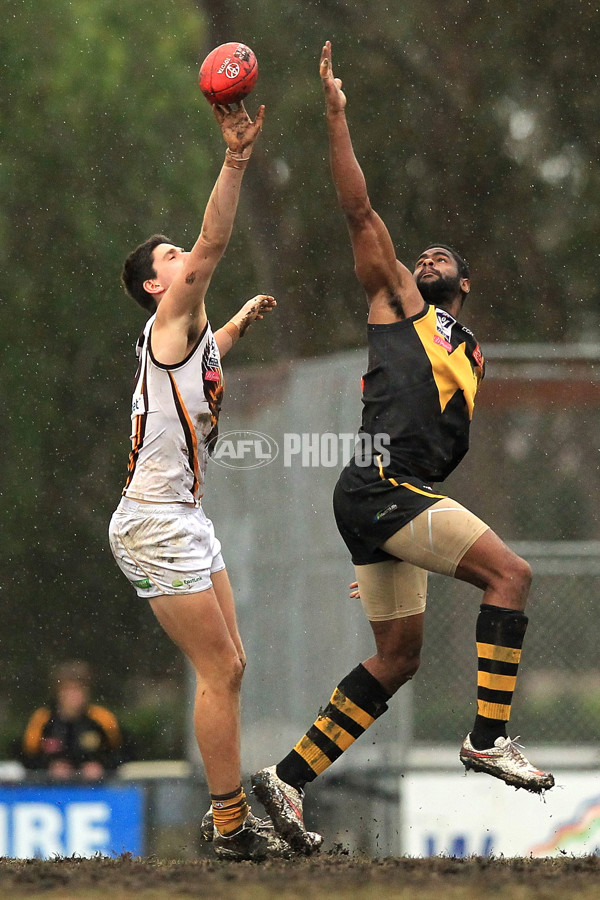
<point>228,73</point>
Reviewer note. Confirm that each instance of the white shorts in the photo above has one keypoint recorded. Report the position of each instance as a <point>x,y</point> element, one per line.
<point>164,548</point>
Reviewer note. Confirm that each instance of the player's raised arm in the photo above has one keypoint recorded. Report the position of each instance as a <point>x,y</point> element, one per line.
<point>390,287</point>
<point>252,311</point>
<point>181,290</point>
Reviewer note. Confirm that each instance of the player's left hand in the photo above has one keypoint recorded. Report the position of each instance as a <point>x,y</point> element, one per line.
<point>334,96</point>
<point>354,591</point>
<point>255,309</point>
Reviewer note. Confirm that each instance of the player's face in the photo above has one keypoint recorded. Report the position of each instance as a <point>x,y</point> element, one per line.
<point>435,263</point>
<point>168,262</point>
<point>436,274</point>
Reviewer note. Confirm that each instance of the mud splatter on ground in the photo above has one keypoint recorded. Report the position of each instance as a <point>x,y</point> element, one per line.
<point>332,876</point>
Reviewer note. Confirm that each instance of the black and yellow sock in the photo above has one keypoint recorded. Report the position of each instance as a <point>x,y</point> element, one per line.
<point>357,701</point>
<point>229,810</point>
<point>499,634</point>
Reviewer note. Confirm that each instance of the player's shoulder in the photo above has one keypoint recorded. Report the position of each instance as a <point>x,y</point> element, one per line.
<point>472,348</point>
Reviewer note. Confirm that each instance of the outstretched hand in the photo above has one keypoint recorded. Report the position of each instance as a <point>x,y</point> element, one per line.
<point>237,127</point>
<point>255,309</point>
<point>334,96</point>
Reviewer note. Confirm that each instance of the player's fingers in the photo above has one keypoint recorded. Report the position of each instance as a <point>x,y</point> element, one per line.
<point>218,112</point>
<point>260,117</point>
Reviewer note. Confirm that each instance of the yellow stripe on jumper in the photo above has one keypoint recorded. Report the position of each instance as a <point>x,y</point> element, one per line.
<point>500,654</point>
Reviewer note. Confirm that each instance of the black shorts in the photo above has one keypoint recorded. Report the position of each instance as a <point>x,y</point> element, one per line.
<point>368,512</point>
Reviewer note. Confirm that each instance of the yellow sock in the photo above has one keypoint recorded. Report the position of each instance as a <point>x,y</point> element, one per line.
<point>229,810</point>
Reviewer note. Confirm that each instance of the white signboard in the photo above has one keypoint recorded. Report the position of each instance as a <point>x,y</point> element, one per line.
<point>464,815</point>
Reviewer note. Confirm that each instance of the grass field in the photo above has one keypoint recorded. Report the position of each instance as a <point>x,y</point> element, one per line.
<point>330,876</point>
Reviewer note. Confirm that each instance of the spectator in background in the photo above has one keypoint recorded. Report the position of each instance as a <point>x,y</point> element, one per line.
<point>72,738</point>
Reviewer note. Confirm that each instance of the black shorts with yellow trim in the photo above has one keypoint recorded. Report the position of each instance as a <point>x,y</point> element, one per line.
<point>369,510</point>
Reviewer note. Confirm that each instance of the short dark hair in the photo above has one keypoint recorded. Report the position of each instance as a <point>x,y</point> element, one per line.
<point>139,267</point>
<point>463,269</point>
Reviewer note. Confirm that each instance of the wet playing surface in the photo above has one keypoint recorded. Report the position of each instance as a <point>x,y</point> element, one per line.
<point>331,875</point>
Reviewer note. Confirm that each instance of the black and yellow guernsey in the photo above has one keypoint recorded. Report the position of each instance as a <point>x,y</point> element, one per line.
<point>419,389</point>
<point>418,397</point>
<point>418,393</point>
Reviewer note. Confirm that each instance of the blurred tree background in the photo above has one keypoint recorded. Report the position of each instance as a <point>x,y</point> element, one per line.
<point>476,124</point>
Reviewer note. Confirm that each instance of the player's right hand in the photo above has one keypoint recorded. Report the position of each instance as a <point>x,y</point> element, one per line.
<point>237,127</point>
<point>334,96</point>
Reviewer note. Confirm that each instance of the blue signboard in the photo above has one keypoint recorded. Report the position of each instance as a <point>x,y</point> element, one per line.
<point>43,821</point>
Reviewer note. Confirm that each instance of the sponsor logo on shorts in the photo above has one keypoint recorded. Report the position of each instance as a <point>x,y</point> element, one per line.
<point>185,582</point>
<point>384,512</point>
<point>143,583</point>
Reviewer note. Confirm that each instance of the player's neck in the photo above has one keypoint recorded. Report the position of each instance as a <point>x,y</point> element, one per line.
<point>452,306</point>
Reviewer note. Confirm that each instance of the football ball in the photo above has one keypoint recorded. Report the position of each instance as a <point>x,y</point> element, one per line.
<point>228,73</point>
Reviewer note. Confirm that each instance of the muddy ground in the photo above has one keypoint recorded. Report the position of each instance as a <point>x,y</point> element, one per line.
<point>333,876</point>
